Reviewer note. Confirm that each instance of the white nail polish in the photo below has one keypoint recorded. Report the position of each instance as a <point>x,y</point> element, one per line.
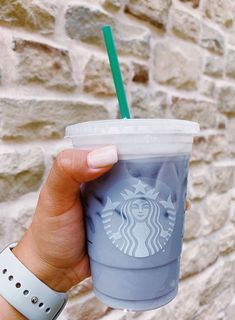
<point>102,157</point>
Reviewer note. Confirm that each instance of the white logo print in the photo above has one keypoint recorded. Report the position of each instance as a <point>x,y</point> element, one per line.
<point>139,231</point>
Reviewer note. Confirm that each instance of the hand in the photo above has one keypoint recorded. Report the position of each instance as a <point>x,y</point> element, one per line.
<point>187,205</point>
<point>55,242</point>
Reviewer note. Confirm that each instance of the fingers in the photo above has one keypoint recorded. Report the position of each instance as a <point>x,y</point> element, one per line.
<point>70,169</point>
<point>187,205</point>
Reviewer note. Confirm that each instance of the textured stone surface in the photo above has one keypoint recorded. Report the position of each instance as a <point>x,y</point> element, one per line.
<point>227,239</point>
<point>222,122</point>
<point>178,63</point>
<point>198,255</point>
<point>208,88</point>
<point>81,289</point>
<point>84,22</point>
<point>186,304</point>
<point>210,147</point>
<point>117,315</point>
<point>132,40</point>
<point>39,63</point>
<point>229,313</point>
<point>147,315</point>
<point>212,39</point>
<point>215,309</point>
<point>3,228</point>
<point>220,11</point>
<point>15,217</point>
<point>92,309</point>
<point>114,4</point>
<point>216,210</point>
<point>151,315</point>
<point>20,172</point>
<point>176,66</point>
<point>200,111</point>
<point>141,73</point>
<point>198,182</point>
<point>222,176</point>
<point>33,15</point>
<point>231,38</point>
<point>45,118</point>
<point>185,25</point>
<point>216,145</point>
<point>192,223</point>
<point>149,104</point>
<point>232,210</point>
<point>195,3</point>
<point>98,77</point>
<point>226,99</point>
<point>231,130</point>
<point>214,66</point>
<point>20,222</point>
<point>230,63</point>
<point>154,11</point>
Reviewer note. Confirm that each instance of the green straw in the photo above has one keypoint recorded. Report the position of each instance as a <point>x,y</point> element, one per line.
<point>116,72</point>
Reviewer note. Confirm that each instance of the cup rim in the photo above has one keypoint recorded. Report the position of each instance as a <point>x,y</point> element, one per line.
<point>132,126</point>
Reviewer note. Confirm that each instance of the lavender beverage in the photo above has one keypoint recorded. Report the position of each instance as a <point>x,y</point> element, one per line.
<point>135,212</point>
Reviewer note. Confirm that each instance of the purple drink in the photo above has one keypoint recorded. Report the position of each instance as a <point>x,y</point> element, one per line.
<point>135,212</point>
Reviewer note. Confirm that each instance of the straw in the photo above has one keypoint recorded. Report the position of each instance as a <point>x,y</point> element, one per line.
<point>116,72</point>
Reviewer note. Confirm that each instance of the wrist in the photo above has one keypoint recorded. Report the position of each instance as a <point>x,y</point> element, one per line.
<point>25,292</point>
<point>55,278</point>
<point>8,311</point>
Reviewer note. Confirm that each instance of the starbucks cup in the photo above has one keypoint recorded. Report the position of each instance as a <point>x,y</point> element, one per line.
<point>135,212</point>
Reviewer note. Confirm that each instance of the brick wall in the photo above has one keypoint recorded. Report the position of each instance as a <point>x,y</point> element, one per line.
<point>178,60</point>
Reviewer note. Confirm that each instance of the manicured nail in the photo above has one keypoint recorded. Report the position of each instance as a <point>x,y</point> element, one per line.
<point>102,157</point>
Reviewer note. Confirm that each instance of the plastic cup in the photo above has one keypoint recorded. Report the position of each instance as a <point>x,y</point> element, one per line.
<point>135,212</point>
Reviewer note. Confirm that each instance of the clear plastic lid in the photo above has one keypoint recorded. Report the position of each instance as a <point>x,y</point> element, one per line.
<point>133,126</point>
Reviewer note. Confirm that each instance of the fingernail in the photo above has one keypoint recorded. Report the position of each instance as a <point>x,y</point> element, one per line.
<point>102,157</point>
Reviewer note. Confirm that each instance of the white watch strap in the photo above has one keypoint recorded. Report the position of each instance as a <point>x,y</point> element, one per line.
<point>23,290</point>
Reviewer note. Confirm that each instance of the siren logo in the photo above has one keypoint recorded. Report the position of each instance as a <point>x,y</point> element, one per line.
<point>140,231</point>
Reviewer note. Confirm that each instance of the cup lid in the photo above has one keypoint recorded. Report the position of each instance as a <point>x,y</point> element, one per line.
<point>133,126</point>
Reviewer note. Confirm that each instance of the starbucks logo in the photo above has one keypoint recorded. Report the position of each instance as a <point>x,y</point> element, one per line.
<point>138,229</point>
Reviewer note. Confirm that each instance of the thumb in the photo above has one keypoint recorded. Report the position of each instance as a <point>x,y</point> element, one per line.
<point>71,168</point>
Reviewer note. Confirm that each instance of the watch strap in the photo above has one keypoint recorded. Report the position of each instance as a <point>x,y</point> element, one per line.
<point>25,292</point>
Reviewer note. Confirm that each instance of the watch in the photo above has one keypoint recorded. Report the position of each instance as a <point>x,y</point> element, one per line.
<point>25,292</point>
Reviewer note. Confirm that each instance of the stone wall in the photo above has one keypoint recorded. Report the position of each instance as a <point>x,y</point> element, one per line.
<point>178,60</point>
